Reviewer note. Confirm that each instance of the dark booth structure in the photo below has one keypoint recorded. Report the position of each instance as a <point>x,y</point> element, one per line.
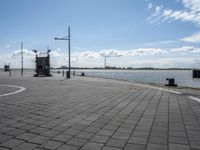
<point>6,68</point>
<point>42,65</point>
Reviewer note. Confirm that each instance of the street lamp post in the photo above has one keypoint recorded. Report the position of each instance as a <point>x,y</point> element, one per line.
<point>68,39</point>
<point>22,62</point>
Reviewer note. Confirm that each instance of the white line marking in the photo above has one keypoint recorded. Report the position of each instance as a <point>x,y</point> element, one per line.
<point>175,92</point>
<point>11,93</point>
<point>154,87</point>
<point>194,98</point>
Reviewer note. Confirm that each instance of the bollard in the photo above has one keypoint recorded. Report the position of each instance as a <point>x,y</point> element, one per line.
<point>171,82</point>
<point>68,74</point>
<point>63,73</point>
<point>10,73</point>
<point>74,73</point>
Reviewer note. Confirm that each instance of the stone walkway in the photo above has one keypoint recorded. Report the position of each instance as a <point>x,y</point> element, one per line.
<point>95,114</point>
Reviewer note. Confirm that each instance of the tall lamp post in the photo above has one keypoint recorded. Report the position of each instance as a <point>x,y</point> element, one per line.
<point>22,62</point>
<point>68,39</point>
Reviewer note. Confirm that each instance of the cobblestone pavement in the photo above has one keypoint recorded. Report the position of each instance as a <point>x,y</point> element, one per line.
<point>95,114</point>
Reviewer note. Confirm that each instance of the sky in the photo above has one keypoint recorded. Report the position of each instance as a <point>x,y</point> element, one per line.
<point>130,33</point>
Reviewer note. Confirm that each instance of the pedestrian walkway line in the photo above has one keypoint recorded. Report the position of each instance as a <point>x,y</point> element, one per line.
<point>194,98</point>
<point>15,92</point>
<point>159,88</point>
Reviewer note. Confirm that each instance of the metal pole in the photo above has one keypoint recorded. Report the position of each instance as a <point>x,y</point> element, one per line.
<point>69,51</point>
<point>22,67</point>
<point>105,61</point>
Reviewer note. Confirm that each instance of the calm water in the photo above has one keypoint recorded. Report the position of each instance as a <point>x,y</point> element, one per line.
<point>182,77</point>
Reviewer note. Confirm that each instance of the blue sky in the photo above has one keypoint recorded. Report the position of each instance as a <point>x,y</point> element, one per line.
<point>139,33</point>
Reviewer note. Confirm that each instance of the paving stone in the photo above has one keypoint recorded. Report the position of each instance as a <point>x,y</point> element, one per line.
<point>39,139</point>
<point>68,147</point>
<point>71,131</point>
<point>116,143</point>
<point>123,136</point>
<point>28,127</point>
<point>100,139</point>
<point>4,138</point>
<point>38,130</point>
<point>77,141</point>
<point>50,133</point>
<point>178,140</point>
<point>62,137</point>
<point>151,146</point>
<point>138,140</point>
<point>134,146</point>
<point>12,143</point>
<point>3,148</point>
<point>52,145</point>
<point>111,148</point>
<point>158,140</point>
<point>92,146</point>
<point>26,146</point>
<point>92,129</point>
<point>105,132</point>
<point>173,146</point>
<point>86,135</point>
<point>26,136</point>
<point>16,132</point>
<point>195,145</point>
<point>140,134</point>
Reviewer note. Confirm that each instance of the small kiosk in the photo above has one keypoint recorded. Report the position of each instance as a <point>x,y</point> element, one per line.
<point>196,73</point>
<point>6,68</point>
<point>42,65</point>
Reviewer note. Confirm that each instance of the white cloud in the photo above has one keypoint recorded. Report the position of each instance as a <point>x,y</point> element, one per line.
<point>190,13</point>
<point>160,43</point>
<point>150,5</point>
<point>86,58</point>
<point>195,38</point>
<point>8,46</point>
<point>186,49</point>
<point>142,57</point>
<point>120,53</point>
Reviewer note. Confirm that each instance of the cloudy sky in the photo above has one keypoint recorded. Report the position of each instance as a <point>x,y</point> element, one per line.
<point>130,33</point>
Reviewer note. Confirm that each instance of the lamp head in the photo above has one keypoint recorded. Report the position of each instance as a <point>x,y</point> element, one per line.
<point>35,51</point>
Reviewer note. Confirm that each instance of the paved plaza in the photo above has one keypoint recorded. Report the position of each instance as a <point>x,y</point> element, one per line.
<point>94,114</point>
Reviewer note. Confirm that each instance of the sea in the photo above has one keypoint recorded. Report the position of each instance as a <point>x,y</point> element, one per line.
<point>183,78</point>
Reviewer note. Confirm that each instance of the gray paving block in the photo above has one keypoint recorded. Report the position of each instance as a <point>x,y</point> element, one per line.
<point>151,146</point>
<point>25,146</point>
<point>111,148</point>
<point>68,147</point>
<point>134,146</point>
<point>26,136</point>
<point>92,146</point>
<point>178,140</point>
<point>173,146</point>
<point>99,138</point>
<point>50,133</point>
<point>157,140</point>
<point>39,139</point>
<point>85,135</point>
<point>116,143</point>
<point>4,138</point>
<point>52,145</point>
<point>12,143</point>
<point>138,140</point>
<point>105,132</point>
<point>77,141</point>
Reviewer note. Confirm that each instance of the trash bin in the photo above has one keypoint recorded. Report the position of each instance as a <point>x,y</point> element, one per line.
<point>171,82</point>
<point>68,74</point>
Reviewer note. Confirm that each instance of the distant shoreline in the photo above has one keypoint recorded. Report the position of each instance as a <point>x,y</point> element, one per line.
<point>113,68</point>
